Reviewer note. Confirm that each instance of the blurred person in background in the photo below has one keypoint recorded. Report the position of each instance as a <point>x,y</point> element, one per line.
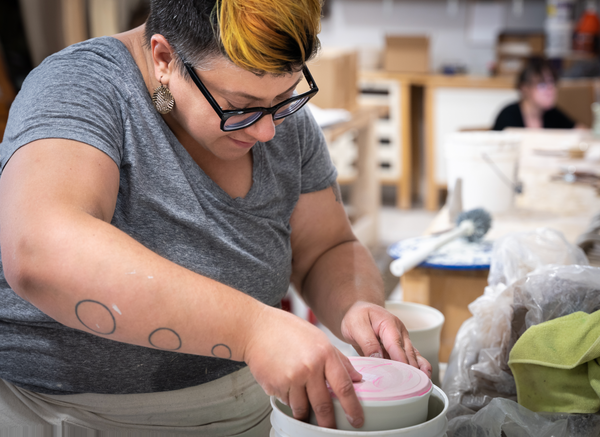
<point>537,84</point>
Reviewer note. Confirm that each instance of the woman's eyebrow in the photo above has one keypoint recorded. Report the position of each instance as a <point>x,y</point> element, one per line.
<point>244,95</point>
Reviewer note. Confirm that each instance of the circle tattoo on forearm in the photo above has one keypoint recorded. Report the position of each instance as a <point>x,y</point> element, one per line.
<point>221,351</point>
<point>165,339</point>
<point>96,317</point>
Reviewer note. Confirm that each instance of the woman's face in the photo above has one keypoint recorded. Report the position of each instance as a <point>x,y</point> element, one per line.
<point>541,91</point>
<point>233,88</point>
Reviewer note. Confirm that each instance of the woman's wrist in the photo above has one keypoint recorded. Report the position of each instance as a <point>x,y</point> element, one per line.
<point>254,327</point>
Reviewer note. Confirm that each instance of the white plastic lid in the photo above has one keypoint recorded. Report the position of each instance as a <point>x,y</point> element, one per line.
<point>387,380</point>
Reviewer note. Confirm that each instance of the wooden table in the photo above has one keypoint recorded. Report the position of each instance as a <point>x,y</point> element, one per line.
<point>365,196</point>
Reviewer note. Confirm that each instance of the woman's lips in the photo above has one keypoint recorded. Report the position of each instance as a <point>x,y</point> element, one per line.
<point>244,144</point>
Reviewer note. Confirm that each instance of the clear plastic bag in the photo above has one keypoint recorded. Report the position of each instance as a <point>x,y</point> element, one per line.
<point>534,277</point>
<point>517,254</point>
<point>503,417</point>
<point>555,291</point>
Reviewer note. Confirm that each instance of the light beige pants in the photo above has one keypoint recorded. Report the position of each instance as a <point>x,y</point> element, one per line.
<point>234,405</point>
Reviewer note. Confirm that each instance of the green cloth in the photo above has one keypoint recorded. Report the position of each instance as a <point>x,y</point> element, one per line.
<point>556,367</point>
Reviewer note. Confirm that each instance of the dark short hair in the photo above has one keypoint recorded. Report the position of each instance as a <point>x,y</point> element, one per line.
<point>262,36</point>
<point>535,67</point>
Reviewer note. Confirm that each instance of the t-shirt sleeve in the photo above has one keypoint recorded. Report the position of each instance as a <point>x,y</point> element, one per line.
<point>318,171</point>
<point>70,96</point>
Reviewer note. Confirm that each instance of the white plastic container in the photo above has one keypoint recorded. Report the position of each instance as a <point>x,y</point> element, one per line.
<point>284,425</point>
<point>487,164</point>
<point>393,395</point>
<point>424,325</point>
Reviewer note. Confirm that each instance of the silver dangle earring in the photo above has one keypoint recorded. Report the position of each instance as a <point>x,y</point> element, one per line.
<point>163,99</point>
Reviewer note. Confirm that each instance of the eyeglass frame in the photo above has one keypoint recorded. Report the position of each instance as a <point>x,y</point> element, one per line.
<point>224,115</point>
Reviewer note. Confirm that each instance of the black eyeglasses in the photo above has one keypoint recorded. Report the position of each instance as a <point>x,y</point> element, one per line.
<point>242,118</point>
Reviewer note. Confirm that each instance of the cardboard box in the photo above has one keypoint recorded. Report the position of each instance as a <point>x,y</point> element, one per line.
<point>406,54</point>
<point>336,73</point>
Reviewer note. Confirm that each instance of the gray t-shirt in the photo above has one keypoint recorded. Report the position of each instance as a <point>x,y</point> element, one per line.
<point>93,92</point>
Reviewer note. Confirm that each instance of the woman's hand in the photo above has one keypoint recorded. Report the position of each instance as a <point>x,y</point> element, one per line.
<point>291,359</point>
<point>375,332</point>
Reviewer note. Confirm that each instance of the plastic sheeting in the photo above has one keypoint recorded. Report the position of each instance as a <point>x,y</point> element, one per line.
<point>534,277</point>
<point>503,417</point>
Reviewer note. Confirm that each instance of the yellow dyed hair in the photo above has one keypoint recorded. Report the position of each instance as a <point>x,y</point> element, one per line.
<point>273,36</point>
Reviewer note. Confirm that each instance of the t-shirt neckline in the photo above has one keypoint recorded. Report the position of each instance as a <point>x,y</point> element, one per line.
<point>190,164</point>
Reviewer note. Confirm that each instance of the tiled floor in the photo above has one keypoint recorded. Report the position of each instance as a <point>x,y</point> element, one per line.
<point>397,224</point>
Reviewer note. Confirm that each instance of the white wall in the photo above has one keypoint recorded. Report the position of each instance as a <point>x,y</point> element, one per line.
<point>364,23</point>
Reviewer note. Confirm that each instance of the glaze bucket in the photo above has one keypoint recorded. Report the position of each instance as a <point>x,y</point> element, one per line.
<point>284,425</point>
<point>424,325</point>
<point>486,162</point>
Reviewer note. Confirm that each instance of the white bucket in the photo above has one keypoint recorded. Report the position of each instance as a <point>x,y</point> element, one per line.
<point>424,325</point>
<point>284,425</point>
<point>487,164</point>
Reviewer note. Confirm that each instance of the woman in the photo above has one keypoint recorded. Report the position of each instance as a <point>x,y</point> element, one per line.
<point>537,107</point>
<point>150,227</point>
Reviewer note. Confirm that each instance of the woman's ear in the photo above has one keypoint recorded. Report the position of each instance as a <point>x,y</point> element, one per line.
<point>163,58</point>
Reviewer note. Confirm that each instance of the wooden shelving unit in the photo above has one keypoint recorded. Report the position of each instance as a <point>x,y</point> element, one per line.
<point>513,48</point>
<point>365,200</point>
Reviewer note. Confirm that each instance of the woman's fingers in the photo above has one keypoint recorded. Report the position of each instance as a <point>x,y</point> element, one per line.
<point>315,395</point>
<point>341,384</point>
<point>375,332</point>
<point>321,403</point>
<point>355,376</point>
<point>399,346</point>
<point>424,365</point>
<point>367,341</point>
<point>298,402</point>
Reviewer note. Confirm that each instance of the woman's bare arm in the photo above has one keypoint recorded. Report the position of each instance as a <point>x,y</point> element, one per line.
<point>60,252</point>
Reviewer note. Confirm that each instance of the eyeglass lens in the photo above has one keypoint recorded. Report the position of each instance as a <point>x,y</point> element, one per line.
<point>244,120</point>
<point>545,85</point>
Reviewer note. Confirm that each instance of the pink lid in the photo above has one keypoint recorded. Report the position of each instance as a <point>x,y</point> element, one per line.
<point>387,380</point>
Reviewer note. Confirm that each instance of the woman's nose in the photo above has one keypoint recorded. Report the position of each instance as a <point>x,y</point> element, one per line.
<point>263,130</point>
